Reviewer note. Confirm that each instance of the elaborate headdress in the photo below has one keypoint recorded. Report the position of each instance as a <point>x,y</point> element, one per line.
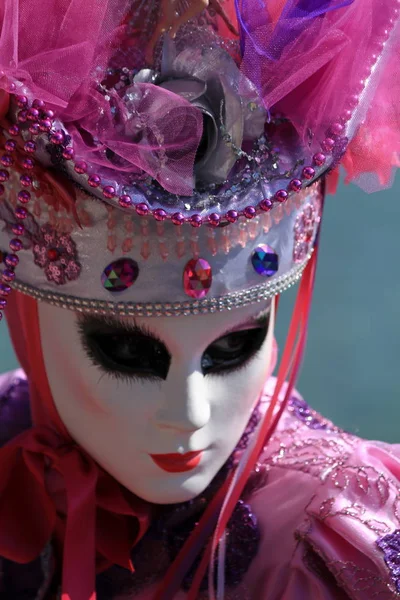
<point>185,177</point>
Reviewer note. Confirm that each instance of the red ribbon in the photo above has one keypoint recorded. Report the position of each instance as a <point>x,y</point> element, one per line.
<point>30,517</point>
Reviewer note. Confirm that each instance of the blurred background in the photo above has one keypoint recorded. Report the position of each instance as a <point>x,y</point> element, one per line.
<point>351,372</point>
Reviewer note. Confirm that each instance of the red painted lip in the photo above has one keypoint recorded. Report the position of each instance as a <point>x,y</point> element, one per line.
<point>177,463</point>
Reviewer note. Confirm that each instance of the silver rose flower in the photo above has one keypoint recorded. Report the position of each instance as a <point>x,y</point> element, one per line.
<point>210,80</point>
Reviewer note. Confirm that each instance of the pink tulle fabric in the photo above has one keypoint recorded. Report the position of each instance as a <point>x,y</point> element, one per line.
<point>300,55</point>
<point>313,68</point>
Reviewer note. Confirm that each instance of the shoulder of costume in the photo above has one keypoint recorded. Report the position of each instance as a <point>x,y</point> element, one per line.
<point>15,414</point>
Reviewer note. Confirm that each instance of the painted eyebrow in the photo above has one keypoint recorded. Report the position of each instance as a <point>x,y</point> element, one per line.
<point>110,324</point>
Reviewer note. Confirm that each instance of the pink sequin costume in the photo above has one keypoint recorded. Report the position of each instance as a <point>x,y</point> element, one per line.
<point>200,165</point>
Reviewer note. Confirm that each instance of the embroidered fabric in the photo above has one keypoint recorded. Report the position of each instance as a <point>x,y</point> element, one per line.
<point>328,512</point>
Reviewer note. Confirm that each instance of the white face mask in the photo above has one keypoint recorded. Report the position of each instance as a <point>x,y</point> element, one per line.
<point>159,403</point>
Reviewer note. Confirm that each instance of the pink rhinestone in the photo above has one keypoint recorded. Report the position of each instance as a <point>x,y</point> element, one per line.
<point>328,145</point>
<point>125,201</point>
<point>80,167</point>
<point>196,221</point>
<point>28,164</point>
<point>308,172</point>
<point>281,195</point>
<point>159,214</point>
<point>3,304</point>
<point>232,216</point>
<point>18,229</point>
<point>25,180</point>
<point>214,219</point>
<point>250,212</point>
<point>178,218</point>
<point>69,153</point>
<point>33,114</point>
<point>94,180</point>
<point>197,278</point>
<point>24,197</point>
<point>16,245</point>
<point>22,101</point>
<point>4,175</point>
<point>10,145</point>
<point>266,204</point>
<point>21,213</point>
<point>295,185</point>
<point>30,147</point>
<point>14,130</point>
<point>319,159</point>
<point>142,209</point>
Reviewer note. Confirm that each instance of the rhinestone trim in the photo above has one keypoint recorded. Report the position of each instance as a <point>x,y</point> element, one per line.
<point>252,295</point>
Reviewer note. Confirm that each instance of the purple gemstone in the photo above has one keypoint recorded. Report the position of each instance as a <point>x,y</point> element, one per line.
<point>265,260</point>
<point>197,278</point>
<point>120,275</point>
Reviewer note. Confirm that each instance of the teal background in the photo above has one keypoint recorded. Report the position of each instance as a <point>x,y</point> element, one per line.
<point>352,364</point>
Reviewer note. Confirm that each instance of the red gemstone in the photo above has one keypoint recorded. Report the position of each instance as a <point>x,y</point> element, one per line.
<point>52,254</point>
<point>197,278</point>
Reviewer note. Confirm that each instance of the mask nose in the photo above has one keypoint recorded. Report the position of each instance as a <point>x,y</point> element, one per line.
<point>186,407</point>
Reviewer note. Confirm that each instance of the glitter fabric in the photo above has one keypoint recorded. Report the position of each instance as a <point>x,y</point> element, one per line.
<point>390,546</point>
<point>56,254</point>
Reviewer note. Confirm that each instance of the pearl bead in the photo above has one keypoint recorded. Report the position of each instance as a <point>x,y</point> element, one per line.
<point>4,175</point>
<point>21,213</point>
<point>69,153</point>
<point>109,192</point>
<point>12,260</point>
<point>14,130</point>
<point>30,147</point>
<point>195,220</point>
<point>125,201</point>
<point>33,114</point>
<point>319,159</point>
<point>232,216</point>
<point>281,195</point>
<point>295,185</point>
<point>94,181</point>
<point>327,145</point>
<point>81,167</point>
<point>266,204</point>
<point>159,214</point>
<point>38,104</point>
<point>25,180</point>
<point>28,164</point>
<point>178,218</point>
<point>16,245</point>
<point>24,197</point>
<point>57,137</point>
<point>10,145</point>
<point>308,172</point>
<point>22,101</point>
<point>18,229</point>
<point>8,275</point>
<point>250,212</point>
<point>4,289</point>
<point>214,219</point>
<point>337,128</point>
<point>142,209</point>
<point>7,160</point>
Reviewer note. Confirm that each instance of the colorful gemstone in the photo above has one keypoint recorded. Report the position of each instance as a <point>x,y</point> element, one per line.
<point>265,260</point>
<point>197,278</point>
<point>120,275</point>
<point>53,254</point>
